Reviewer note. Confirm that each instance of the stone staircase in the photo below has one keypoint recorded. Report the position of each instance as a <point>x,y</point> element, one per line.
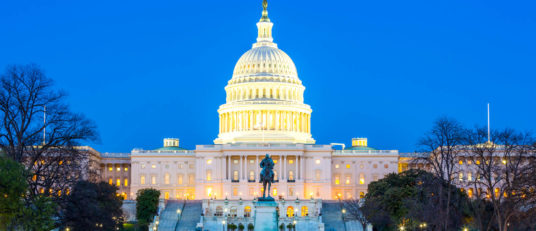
<point>191,215</point>
<point>332,216</point>
<point>169,217</point>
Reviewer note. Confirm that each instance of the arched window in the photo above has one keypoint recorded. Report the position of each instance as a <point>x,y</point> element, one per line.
<point>304,211</point>
<point>275,176</point>
<point>247,211</point>
<point>290,211</point>
<point>219,211</point>
<point>233,211</point>
<point>361,178</point>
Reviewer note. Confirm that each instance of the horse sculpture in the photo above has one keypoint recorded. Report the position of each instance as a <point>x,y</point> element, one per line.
<point>267,177</point>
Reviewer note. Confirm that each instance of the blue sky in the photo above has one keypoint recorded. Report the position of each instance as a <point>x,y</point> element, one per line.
<point>145,70</point>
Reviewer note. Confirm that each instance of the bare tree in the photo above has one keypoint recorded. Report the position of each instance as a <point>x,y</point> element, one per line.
<point>503,171</point>
<point>352,211</point>
<point>442,144</point>
<point>48,147</point>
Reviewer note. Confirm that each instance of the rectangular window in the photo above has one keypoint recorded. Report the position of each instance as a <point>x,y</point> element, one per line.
<point>166,178</point>
<point>235,191</point>
<point>118,183</point>
<point>153,179</point>
<point>126,169</point>
<point>209,175</point>
<point>118,169</point>
<point>469,176</point>
<point>251,175</point>
<point>290,192</point>
<point>361,178</point>
<point>110,169</point>
<point>290,175</point>
<point>142,165</point>
<point>235,175</point>
<point>142,179</point>
<point>460,176</point>
<point>180,179</point>
<point>181,166</point>
<point>126,182</point>
<point>347,166</point>
<point>153,166</point>
<point>337,179</point>
<point>348,180</point>
<point>336,166</point>
<point>110,181</point>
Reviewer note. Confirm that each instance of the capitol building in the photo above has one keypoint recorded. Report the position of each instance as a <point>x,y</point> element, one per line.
<point>264,113</point>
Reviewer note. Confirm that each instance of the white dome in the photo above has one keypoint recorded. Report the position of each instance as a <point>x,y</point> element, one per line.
<point>264,62</point>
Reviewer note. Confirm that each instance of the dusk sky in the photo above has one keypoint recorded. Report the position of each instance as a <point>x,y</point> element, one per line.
<point>147,70</point>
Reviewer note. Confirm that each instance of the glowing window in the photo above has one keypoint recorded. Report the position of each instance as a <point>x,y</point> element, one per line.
<point>275,192</point>
<point>460,162</point>
<point>209,175</point>
<point>361,178</point>
<point>118,183</point>
<point>317,161</point>
<point>166,178</point>
<point>153,179</point>
<point>348,179</point>
<point>477,162</point>
<point>235,175</point>
<point>235,191</point>
<point>386,166</point>
<point>290,211</point>
<point>110,169</point>
<point>337,179</point>
<point>126,169</point>
<point>235,161</point>
<point>153,166</point>
<point>142,165</point>
<point>469,176</point>
<point>361,194</point>
<point>347,166</point>
<point>304,211</point>
<point>126,182</point>
<point>209,161</point>
<point>290,175</point>
<point>291,161</point>
<point>251,175</point>
<point>336,166</point>
<point>110,181</point>
<point>142,179</point>
<point>180,180</point>
<point>166,195</point>
<point>317,174</point>
<point>460,176</point>
<point>118,169</point>
<point>275,161</point>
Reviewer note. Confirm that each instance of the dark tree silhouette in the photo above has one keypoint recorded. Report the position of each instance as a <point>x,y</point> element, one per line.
<point>93,206</point>
<point>47,147</point>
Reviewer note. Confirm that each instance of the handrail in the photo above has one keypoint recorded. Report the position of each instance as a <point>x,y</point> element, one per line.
<point>180,214</point>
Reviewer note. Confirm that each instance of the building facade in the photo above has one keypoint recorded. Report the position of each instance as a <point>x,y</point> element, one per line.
<point>264,113</point>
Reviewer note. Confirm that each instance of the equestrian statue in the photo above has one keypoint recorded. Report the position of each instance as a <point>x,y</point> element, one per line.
<point>267,177</point>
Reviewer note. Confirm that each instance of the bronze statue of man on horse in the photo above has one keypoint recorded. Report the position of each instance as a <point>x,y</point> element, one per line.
<point>267,177</point>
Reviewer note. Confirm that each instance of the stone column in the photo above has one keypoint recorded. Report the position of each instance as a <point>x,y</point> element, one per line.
<point>241,173</point>
<point>256,167</point>
<point>302,170</point>
<point>284,173</point>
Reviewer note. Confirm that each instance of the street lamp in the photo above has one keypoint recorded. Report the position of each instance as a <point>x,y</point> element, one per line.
<point>223,225</point>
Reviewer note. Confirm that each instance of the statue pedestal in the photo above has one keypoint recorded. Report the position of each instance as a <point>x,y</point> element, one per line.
<point>265,216</point>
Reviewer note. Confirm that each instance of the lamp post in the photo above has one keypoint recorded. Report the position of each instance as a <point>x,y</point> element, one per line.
<point>223,225</point>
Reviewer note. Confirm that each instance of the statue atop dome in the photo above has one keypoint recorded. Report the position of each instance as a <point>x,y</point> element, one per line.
<point>264,17</point>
